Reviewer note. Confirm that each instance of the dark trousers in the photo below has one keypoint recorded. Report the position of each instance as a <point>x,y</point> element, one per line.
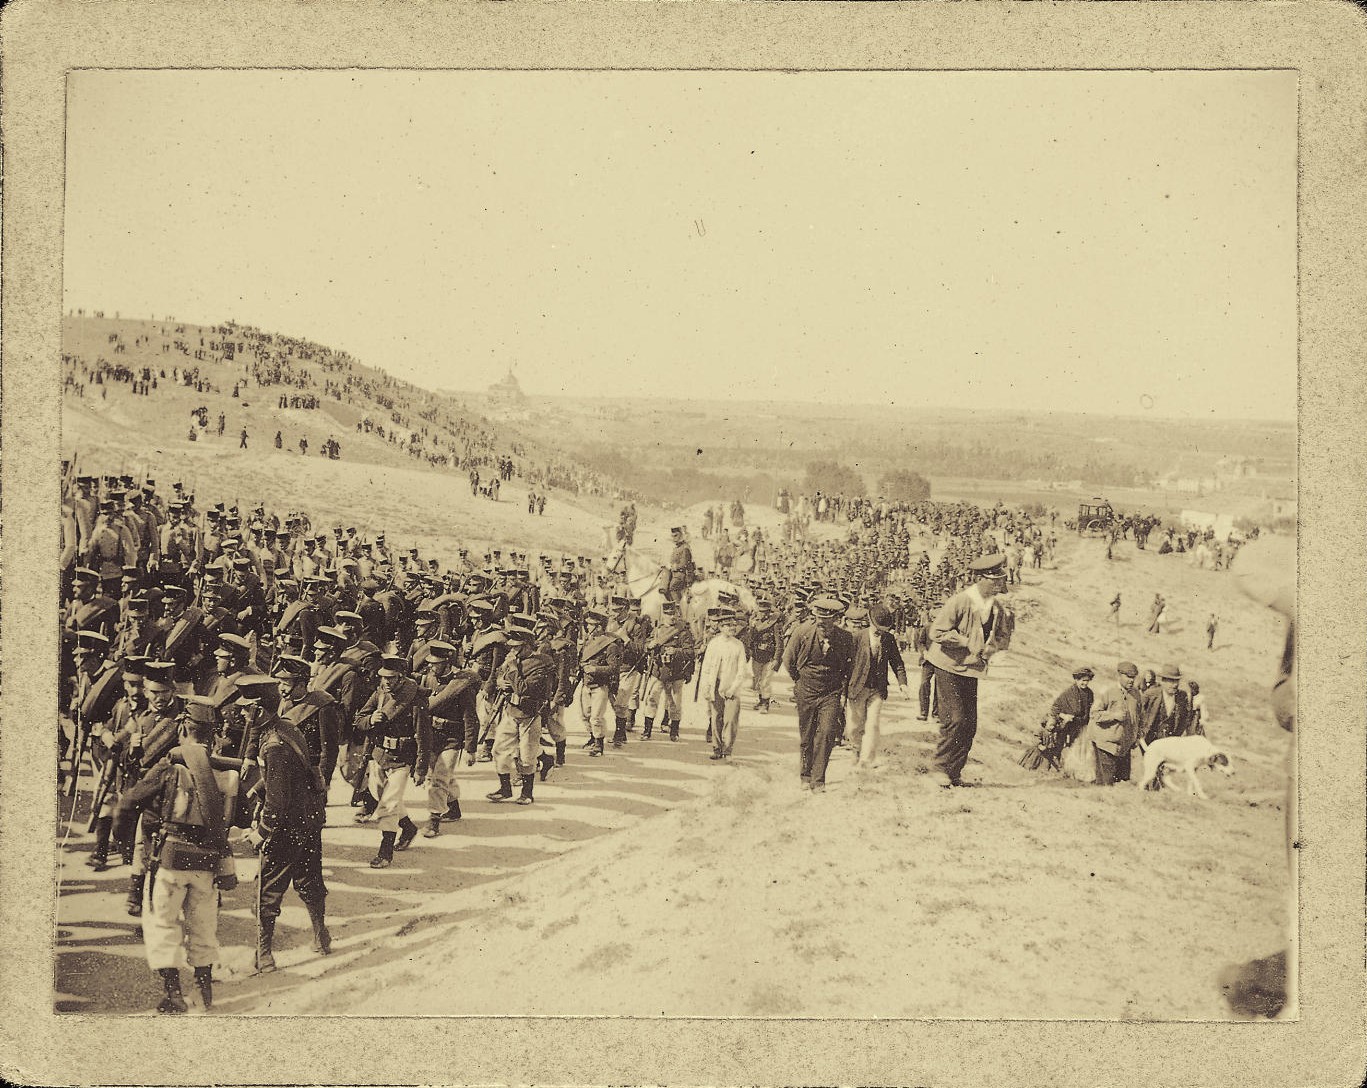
<point>957,697</point>
<point>818,726</point>
<point>927,679</point>
<point>291,856</point>
<point>1111,768</point>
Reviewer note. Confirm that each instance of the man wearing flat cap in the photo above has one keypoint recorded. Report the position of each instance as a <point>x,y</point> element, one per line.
<point>969,628</point>
<point>1116,722</point>
<point>819,657</point>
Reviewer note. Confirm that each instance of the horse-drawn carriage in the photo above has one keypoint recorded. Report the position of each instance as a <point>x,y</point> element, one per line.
<point>1094,517</point>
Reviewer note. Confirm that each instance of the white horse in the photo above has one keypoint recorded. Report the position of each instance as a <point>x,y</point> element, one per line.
<point>643,578</point>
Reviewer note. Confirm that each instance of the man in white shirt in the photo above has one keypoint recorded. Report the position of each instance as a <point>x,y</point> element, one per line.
<point>723,674</point>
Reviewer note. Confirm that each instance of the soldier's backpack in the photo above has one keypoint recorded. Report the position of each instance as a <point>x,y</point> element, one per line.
<point>538,682</point>
<point>203,798</point>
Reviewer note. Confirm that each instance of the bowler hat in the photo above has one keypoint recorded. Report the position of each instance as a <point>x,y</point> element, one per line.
<point>1170,672</point>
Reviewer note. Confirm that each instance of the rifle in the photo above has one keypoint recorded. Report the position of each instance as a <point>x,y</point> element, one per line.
<point>102,789</point>
<point>82,739</point>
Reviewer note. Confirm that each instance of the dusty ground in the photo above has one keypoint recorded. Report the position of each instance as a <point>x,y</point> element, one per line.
<point>655,882</point>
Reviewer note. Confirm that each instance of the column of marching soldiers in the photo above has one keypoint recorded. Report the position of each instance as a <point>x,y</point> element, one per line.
<point>219,668</point>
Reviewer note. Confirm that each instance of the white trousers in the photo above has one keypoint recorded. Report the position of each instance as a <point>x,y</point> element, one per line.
<point>181,911</point>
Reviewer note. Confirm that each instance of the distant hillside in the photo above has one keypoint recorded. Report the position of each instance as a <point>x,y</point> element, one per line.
<point>694,450</point>
<point>269,382</point>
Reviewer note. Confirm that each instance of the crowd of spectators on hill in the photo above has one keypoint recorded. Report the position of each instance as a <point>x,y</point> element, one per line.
<point>426,426</point>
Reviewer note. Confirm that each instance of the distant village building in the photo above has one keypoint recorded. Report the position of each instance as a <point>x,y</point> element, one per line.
<point>506,393</point>
<point>505,400</point>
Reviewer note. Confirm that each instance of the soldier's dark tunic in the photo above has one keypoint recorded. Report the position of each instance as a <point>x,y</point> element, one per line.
<point>291,820</point>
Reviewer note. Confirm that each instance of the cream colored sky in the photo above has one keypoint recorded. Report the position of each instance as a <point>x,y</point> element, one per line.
<point>1104,242</point>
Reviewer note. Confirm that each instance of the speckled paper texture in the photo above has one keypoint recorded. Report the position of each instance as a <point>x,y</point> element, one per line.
<point>1324,42</point>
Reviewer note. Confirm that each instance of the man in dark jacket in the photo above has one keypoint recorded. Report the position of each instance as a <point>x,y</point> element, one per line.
<point>454,728</point>
<point>819,657</point>
<point>875,655</point>
<point>290,826</point>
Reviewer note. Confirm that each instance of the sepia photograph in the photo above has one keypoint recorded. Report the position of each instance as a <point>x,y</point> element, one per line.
<point>692,543</point>
<point>678,544</point>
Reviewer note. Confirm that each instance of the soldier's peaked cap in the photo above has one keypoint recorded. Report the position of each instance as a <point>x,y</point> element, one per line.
<point>201,709</point>
<point>234,644</point>
<point>253,685</point>
<point>159,675</point>
<point>291,665</point>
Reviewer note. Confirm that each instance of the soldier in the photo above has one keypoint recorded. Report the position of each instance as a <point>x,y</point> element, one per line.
<point>525,682</point>
<point>312,712</point>
<point>88,609</point>
<point>180,637</point>
<point>289,826</point>
<point>600,662</point>
<point>454,725</point>
<point>680,570</point>
<point>95,691</point>
<point>488,645</point>
<point>394,718</point>
<point>633,630</point>
<point>120,761</point>
<point>190,807</point>
<point>760,637</point>
<point>552,641</point>
<point>671,664</point>
<point>152,736</point>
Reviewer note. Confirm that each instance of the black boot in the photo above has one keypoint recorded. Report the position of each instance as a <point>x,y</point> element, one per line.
<point>590,744</point>
<point>204,979</point>
<point>408,831</point>
<point>126,850</point>
<point>265,937</point>
<point>597,749</point>
<point>433,828</point>
<point>385,857</point>
<point>322,939</point>
<point>504,791</point>
<point>631,721</point>
<point>453,811</point>
<point>527,782</point>
<point>619,735</point>
<point>560,753</point>
<point>650,724</point>
<point>136,884</point>
<point>545,762</point>
<point>673,728</point>
<point>99,857</point>
<point>174,1001</point>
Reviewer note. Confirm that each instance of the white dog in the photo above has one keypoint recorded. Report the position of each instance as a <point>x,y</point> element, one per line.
<point>1186,754</point>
